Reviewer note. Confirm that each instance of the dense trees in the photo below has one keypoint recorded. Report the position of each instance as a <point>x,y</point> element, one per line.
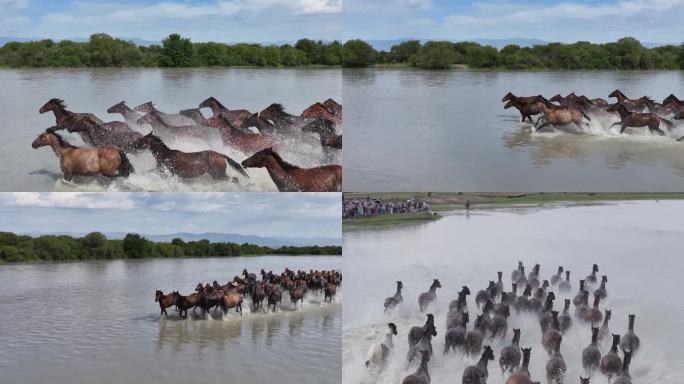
<point>176,51</point>
<point>104,51</point>
<point>16,248</point>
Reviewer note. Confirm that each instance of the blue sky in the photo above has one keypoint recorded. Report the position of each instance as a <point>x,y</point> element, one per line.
<point>263,214</point>
<point>201,20</point>
<point>565,21</point>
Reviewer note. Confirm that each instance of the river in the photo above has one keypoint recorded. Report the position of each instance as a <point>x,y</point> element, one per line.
<point>97,322</point>
<point>636,244</point>
<point>95,90</point>
<point>417,130</point>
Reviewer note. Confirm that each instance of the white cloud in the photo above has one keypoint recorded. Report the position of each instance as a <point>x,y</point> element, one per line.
<point>87,200</point>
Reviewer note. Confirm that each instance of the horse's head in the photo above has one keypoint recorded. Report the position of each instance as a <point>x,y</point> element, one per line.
<point>120,107</point>
<point>617,93</point>
<point>393,328</point>
<point>198,287</point>
<point>146,142</point>
<point>526,353</point>
<point>158,295</point>
<point>258,159</point>
<point>145,107</point>
<point>52,105</point>
<point>465,290</point>
<point>516,333</point>
<point>255,120</point>
<point>400,285</point>
<point>436,283</point>
<point>671,99</point>
<point>194,113</point>
<point>49,138</point>
<point>584,380</point>
<point>608,314</point>
<point>211,102</point>
<point>509,104</point>
<point>488,353</point>
<point>509,97</point>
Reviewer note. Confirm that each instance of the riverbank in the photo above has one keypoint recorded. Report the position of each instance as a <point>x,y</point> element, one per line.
<point>442,202</point>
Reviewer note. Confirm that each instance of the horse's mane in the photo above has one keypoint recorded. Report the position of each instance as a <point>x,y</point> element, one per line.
<point>62,142</point>
<point>214,100</point>
<point>283,163</point>
<point>59,102</point>
<point>157,140</point>
<point>278,107</point>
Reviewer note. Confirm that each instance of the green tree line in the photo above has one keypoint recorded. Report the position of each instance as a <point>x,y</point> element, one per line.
<point>176,51</point>
<point>95,245</point>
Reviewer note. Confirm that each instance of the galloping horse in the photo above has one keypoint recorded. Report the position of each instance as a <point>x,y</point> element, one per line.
<point>235,117</point>
<point>290,178</point>
<point>247,142</point>
<point>187,165</point>
<point>116,133</point>
<point>553,115</point>
<point>527,105</point>
<point>108,161</point>
<point>130,115</point>
<point>634,119</point>
<point>276,113</point>
<point>636,105</point>
<point>160,126</point>
<point>319,110</point>
<point>171,119</point>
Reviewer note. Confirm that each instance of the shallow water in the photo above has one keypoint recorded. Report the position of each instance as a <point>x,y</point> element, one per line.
<point>95,90</point>
<point>636,244</point>
<point>448,131</point>
<point>97,322</point>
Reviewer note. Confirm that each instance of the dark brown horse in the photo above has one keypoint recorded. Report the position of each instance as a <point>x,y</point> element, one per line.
<point>634,119</point>
<point>326,130</point>
<point>291,178</point>
<point>236,117</point>
<point>164,301</point>
<point>116,133</point>
<point>187,164</point>
<point>64,119</point>
<point>263,125</point>
<point>183,303</point>
<point>169,118</point>
<point>527,105</point>
<point>636,105</point>
<point>130,115</point>
<point>276,113</point>
<point>107,161</point>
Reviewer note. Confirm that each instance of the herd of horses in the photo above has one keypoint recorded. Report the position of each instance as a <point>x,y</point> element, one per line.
<point>270,288</point>
<point>498,305</point>
<point>109,142</point>
<point>558,110</point>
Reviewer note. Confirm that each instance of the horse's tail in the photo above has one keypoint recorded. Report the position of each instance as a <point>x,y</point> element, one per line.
<point>235,165</point>
<point>667,122</point>
<point>585,115</point>
<point>125,166</point>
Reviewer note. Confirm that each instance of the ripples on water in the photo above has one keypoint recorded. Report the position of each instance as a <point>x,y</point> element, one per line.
<point>634,244</point>
<point>97,322</point>
<point>95,90</point>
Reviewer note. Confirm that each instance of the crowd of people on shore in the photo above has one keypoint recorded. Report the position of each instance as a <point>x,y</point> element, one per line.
<point>355,208</point>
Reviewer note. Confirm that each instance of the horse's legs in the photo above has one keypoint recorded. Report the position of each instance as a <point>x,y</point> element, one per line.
<point>624,126</point>
<point>546,123</point>
<point>538,120</point>
<point>615,123</point>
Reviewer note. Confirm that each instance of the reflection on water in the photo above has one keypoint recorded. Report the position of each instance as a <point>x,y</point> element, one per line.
<point>447,130</point>
<point>636,244</point>
<point>95,90</point>
<point>97,322</point>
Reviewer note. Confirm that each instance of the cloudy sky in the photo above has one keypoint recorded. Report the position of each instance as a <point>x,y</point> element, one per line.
<point>263,214</point>
<point>552,20</point>
<point>201,20</point>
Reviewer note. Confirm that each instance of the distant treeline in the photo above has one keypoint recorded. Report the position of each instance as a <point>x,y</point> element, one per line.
<point>105,51</point>
<point>95,245</point>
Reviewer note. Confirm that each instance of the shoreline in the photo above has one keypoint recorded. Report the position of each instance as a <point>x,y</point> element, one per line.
<point>33,262</point>
<point>444,202</point>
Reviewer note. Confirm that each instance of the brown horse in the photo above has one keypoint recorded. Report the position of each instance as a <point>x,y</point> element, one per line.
<point>164,301</point>
<point>236,117</point>
<point>553,115</point>
<point>246,142</point>
<point>108,161</point>
<point>65,119</point>
<point>291,178</point>
<point>326,130</point>
<point>320,111</point>
<point>169,118</point>
<point>230,299</point>
<point>634,119</point>
<point>130,115</point>
<point>183,303</point>
<point>636,105</point>
<point>527,105</point>
<point>187,164</point>
<point>116,133</point>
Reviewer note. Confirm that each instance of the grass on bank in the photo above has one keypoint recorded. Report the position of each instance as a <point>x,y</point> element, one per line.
<point>440,202</point>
